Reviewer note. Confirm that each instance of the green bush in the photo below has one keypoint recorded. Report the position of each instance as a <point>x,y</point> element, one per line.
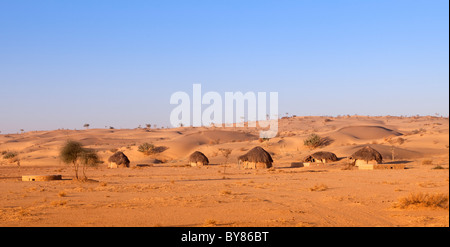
<point>313,141</point>
<point>9,155</point>
<point>147,148</point>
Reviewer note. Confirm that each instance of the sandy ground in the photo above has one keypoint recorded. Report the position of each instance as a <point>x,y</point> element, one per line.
<point>173,194</point>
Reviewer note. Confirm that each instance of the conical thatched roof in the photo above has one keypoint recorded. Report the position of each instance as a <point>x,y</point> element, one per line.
<point>322,155</point>
<point>120,159</point>
<point>257,155</point>
<point>367,153</point>
<point>198,157</point>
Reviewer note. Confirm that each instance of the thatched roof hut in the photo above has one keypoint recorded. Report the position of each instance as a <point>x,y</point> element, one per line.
<point>321,156</point>
<point>198,159</point>
<point>255,158</point>
<point>118,159</point>
<point>368,155</point>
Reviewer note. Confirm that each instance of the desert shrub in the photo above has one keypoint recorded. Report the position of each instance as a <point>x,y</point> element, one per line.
<point>400,140</point>
<point>421,200</point>
<point>289,134</point>
<point>89,157</point>
<point>263,139</point>
<point>9,155</point>
<point>418,131</point>
<point>319,187</point>
<point>394,141</point>
<point>58,203</point>
<point>214,142</point>
<point>313,141</point>
<point>438,167</point>
<point>427,162</point>
<point>225,192</point>
<point>210,222</point>
<point>147,148</point>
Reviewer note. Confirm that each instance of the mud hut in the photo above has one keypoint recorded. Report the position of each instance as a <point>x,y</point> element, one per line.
<point>322,157</point>
<point>198,159</point>
<point>366,155</point>
<point>255,159</point>
<point>118,159</point>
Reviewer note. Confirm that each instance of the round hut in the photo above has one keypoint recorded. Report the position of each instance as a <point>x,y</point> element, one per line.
<point>366,155</point>
<point>255,159</point>
<point>322,157</point>
<point>118,159</point>
<point>198,159</point>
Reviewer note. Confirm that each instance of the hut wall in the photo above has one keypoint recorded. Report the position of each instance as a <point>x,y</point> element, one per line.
<point>115,165</point>
<point>319,160</point>
<point>196,163</point>
<point>254,165</point>
<point>363,162</point>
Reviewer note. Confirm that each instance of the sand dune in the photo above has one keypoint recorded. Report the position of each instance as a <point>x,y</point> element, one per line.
<point>345,134</point>
<point>172,194</point>
<point>368,132</point>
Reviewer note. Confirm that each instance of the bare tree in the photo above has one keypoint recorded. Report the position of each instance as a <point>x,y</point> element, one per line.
<point>226,153</point>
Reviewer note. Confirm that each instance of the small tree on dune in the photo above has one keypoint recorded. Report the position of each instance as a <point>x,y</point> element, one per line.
<point>313,141</point>
<point>147,148</point>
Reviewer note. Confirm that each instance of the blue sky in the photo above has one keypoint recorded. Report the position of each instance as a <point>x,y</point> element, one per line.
<point>116,63</point>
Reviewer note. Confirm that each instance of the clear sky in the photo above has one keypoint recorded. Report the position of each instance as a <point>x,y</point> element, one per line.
<point>116,63</point>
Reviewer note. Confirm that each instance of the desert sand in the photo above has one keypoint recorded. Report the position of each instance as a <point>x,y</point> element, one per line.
<point>172,193</point>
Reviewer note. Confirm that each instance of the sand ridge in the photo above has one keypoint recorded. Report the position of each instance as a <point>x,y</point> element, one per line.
<point>173,194</point>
